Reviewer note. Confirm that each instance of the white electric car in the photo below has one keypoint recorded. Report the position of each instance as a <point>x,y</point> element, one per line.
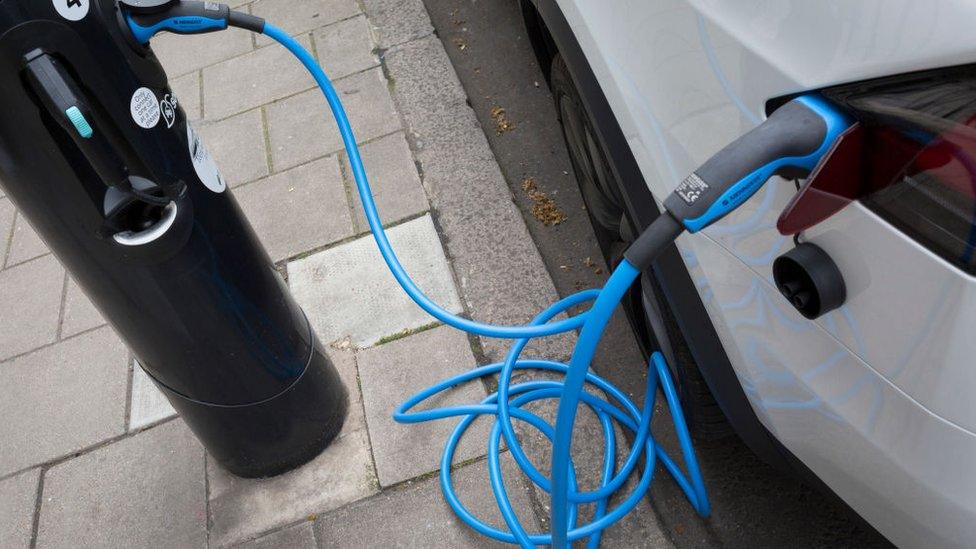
<point>875,398</point>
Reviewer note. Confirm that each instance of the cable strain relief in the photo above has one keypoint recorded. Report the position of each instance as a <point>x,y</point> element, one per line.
<point>654,240</point>
<point>246,21</point>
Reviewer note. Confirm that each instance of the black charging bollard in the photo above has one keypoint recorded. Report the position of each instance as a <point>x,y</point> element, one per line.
<point>96,151</point>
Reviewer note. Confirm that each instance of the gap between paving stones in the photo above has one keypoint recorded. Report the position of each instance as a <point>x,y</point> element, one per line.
<point>349,239</point>
<point>292,95</point>
<point>49,345</point>
<point>64,301</point>
<point>87,450</point>
<point>340,153</point>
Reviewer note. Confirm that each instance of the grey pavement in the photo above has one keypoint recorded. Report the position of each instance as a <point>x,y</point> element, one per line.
<point>416,515</point>
<point>92,454</point>
<point>18,495</point>
<point>348,293</point>
<point>300,536</point>
<point>145,491</point>
<point>392,373</point>
<point>243,508</point>
<point>62,399</point>
<point>78,314</point>
<point>146,404</point>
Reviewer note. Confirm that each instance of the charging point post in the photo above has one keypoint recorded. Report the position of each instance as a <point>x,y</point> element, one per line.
<point>96,152</point>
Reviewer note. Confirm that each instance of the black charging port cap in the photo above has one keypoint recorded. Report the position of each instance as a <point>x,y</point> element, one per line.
<point>810,280</point>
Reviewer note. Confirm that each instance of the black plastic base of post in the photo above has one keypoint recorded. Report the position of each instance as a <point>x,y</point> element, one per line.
<point>275,436</point>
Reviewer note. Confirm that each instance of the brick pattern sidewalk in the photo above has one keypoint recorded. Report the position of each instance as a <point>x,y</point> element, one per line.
<point>92,455</point>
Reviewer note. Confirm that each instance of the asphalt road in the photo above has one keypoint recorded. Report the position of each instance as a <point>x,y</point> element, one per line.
<point>754,504</point>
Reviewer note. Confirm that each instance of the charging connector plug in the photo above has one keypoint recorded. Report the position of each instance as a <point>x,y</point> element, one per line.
<point>184,17</point>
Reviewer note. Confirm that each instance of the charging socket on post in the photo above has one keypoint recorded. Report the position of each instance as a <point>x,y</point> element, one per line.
<point>123,9</point>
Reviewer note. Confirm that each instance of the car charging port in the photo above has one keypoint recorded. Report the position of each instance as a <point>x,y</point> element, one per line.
<point>810,280</point>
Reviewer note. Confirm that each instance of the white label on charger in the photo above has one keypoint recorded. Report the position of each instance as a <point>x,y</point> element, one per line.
<point>204,163</point>
<point>168,107</point>
<point>691,189</point>
<point>145,108</point>
<point>72,10</point>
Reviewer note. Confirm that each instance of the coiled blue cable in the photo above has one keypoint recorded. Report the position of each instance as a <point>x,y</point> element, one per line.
<point>507,402</point>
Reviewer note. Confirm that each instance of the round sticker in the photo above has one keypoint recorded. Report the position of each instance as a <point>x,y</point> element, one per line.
<point>145,108</point>
<point>72,10</point>
<point>204,163</point>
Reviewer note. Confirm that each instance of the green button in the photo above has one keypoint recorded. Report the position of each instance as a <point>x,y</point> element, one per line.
<point>78,119</point>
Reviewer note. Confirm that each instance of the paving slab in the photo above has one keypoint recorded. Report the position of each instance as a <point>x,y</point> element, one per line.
<point>253,79</point>
<point>187,91</point>
<point>80,313</point>
<point>26,244</point>
<point>18,498</point>
<point>397,21</point>
<point>425,79</point>
<point>300,536</point>
<point>345,47</point>
<point>181,54</point>
<point>416,515</point>
<point>245,508</point>
<point>393,178</point>
<point>302,128</point>
<point>61,399</point>
<point>7,215</point>
<point>298,210</point>
<point>148,404</point>
<point>145,491</point>
<point>392,373</point>
<point>237,144</point>
<point>30,298</point>
<point>347,291</point>
<point>503,277</point>
<point>299,16</point>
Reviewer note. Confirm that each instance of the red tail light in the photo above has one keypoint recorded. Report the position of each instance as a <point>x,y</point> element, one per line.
<point>911,159</point>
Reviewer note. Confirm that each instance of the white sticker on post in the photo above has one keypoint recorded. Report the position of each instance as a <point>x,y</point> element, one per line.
<point>145,108</point>
<point>168,107</point>
<point>72,10</point>
<point>204,163</point>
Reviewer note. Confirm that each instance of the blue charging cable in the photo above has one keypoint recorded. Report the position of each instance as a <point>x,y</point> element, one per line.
<point>793,141</point>
<point>508,402</point>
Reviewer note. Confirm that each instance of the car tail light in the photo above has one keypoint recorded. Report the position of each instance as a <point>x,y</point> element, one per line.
<point>911,159</point>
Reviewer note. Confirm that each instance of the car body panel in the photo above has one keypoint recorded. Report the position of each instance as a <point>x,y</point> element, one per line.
<point>901,467</point>
<point>872,397</point>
